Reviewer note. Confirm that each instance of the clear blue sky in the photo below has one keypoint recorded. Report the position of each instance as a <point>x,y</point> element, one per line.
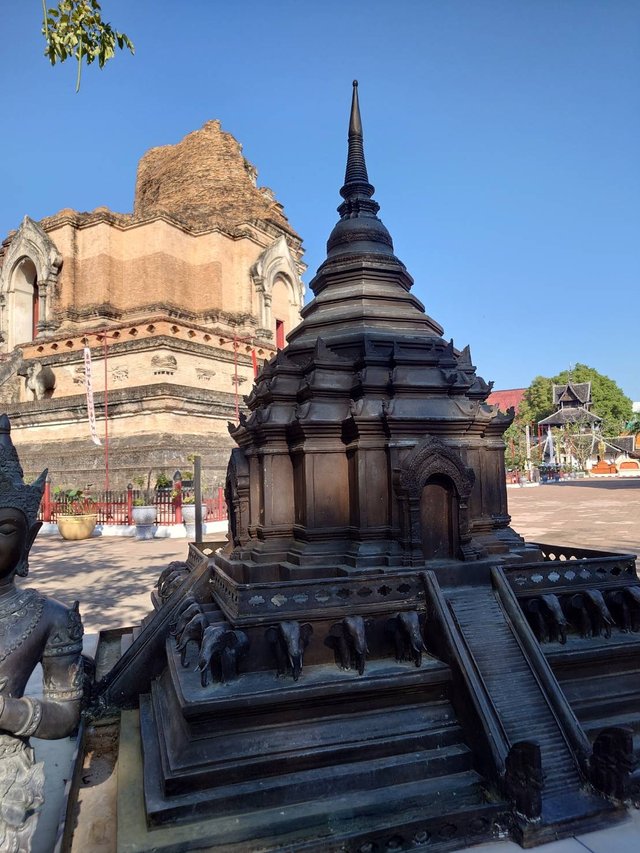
<point>503,138</point>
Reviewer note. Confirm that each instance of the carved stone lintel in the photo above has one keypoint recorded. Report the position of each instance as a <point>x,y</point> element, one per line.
<point>431,457</point>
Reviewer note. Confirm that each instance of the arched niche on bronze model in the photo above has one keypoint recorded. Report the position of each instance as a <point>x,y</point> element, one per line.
<point>433,489</point>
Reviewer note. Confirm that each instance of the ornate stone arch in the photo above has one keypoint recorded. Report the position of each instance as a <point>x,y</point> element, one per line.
<point>276,264</point>
<point>32,244</point>
<point>433,460</point>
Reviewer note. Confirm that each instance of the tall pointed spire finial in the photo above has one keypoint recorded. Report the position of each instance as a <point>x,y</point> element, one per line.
<point>356,179</point>
<point>359,229</point>
<point>356,171</point>
<point>355,124</point>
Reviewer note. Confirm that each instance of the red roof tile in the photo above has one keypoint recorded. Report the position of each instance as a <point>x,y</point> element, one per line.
<point>506,399</point>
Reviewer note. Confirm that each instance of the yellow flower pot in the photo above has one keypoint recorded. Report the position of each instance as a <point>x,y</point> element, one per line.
<point>74,527</point>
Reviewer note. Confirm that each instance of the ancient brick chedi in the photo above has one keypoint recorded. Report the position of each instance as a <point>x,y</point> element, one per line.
<point>207,256</point>
<point>376,660</point>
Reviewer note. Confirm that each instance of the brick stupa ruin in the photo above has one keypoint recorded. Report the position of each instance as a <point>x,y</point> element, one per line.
<point>206,256</point>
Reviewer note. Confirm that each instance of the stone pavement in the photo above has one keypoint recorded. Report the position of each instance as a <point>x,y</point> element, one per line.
<point>590,514</point>
<point>113,579</point>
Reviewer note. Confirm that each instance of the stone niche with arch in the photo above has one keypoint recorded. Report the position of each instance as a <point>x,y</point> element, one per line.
<point>433,488</point>
<point>28,280</point>
<point>279,290</point>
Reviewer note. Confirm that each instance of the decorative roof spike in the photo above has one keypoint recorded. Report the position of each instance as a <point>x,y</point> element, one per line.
<point>464,359</point>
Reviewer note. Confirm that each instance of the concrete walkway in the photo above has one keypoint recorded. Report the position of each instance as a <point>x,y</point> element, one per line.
<point>113,579</point>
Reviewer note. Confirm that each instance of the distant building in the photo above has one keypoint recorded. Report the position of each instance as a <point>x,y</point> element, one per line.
<point>572,402</point>
<point>203,277</point>
<point>504,400</point>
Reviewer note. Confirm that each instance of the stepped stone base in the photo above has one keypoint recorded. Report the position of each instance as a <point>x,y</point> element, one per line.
<point>323,826</point>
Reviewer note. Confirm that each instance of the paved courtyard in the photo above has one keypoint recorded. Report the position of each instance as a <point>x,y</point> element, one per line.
<point>589,514</point>
<point>111,576</point>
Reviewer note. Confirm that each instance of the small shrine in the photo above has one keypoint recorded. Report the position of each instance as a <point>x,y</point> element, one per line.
<point>573,405</point>
<point>375,660</point>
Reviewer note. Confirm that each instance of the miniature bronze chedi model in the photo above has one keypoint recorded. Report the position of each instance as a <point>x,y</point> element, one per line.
<point>368,678</point>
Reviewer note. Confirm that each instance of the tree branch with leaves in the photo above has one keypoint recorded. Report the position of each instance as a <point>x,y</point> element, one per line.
<point>75,29</point>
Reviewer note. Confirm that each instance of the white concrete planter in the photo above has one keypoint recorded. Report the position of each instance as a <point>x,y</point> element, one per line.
<point>144,518</point>
<point>189,518</point>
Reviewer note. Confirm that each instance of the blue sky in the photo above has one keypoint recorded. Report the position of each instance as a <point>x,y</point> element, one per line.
<point>503,138</point>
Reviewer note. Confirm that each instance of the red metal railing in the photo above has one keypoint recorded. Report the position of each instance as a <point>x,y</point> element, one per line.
<point>114,507</point>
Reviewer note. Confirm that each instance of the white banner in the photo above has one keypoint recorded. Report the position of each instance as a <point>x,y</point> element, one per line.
<point>89,388</point>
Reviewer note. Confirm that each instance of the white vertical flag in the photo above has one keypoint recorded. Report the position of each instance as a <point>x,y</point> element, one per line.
<point>89,388</point>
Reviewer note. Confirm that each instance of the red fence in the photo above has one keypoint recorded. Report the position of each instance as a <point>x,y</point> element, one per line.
<point>117,507</point>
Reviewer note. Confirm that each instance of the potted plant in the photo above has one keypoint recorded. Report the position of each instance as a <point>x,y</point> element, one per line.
<point>79,515</point>
<point>144,511</point>
<point>163,483</point>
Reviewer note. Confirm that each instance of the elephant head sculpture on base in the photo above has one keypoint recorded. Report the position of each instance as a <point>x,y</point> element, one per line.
<point>175,569</point>
<point>601,618</point>
<point>186,602</point>
<point>220,652</point>
<point>192,632</point>
<point>288,642</point>
<point>547,619</point>
<point>407,636</point>
<point>185,616</point>
<point>349,643</point>
<point>618,603</point>
<point>589,613</point>
<point>632,594</point>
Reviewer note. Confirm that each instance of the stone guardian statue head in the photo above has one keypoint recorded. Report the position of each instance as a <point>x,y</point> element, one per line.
<point>19,503</point>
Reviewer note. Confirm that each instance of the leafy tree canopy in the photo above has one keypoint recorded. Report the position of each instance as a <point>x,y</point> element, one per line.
<point>609,401</point>
<point>537,402</point>
<point>75,28</point>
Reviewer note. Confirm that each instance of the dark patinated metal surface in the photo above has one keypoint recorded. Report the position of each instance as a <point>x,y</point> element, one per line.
<point>368,677</point>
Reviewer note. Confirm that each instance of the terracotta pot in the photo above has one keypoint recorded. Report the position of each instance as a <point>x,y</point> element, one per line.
<point>74,527</point>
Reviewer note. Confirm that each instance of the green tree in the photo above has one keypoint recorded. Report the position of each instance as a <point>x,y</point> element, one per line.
<point>537,402</point>
<point>515,453</point>
<point>75,29</point>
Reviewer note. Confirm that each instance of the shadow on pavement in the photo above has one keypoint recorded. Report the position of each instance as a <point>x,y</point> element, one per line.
<point>112,578</point>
